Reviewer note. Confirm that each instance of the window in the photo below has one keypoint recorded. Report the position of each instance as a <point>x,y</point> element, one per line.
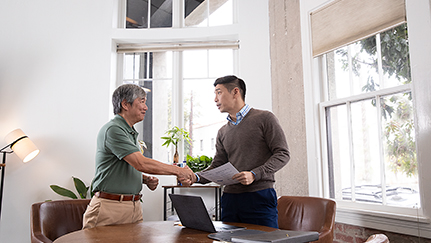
<point>159,13</point>
<point>369,129</point>
<point>192,86</point>
<point>177,73</point>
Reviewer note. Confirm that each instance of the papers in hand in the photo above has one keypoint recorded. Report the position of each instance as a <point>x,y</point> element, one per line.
<point>221,175</point>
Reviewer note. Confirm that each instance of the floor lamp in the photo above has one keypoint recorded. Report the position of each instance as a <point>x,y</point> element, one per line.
<point>23,147</point>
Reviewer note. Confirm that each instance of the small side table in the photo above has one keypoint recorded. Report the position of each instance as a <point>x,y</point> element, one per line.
<point>217,191</point>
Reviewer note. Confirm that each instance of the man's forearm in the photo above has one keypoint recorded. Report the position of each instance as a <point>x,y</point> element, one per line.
<point>151,166</point>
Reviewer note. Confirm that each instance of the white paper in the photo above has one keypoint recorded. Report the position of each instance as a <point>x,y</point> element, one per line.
<point>221,175</point>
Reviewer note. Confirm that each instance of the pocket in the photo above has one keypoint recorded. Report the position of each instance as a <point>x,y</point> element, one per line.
<point>91,214</point>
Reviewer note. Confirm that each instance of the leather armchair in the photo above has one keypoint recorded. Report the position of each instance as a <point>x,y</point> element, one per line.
<point>307,214</point>
<point>50,220</point>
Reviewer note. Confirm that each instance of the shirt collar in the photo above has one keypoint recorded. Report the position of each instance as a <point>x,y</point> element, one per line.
<point>240,115</point>
<point>118,118</point>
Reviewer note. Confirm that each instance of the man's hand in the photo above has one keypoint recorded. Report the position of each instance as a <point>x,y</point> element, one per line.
<point>186,176</point>
<point>188,182</point>
<point>245,177</point>
<point>151,182</point>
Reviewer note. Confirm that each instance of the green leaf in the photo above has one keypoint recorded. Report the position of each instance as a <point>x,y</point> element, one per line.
<point>80,187</point>
<point>63,191</point>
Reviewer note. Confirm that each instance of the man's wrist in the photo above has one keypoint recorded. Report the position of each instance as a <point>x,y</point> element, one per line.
<point>254,174</point>
<point>197,177</point>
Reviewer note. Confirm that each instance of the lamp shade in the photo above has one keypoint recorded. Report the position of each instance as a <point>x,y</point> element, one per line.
<point>23,147</point>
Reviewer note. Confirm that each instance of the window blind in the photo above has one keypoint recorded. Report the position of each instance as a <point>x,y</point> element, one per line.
<point>342,22</point>
<point>178,46</point>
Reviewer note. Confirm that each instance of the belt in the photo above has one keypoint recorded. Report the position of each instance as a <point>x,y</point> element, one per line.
<point>118,197</point>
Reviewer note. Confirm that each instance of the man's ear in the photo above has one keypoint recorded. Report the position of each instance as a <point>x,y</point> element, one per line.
<point>125,105</point>
<point>236,92</point>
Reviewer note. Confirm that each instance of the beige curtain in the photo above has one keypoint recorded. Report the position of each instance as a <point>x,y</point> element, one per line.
<point>342,22</point>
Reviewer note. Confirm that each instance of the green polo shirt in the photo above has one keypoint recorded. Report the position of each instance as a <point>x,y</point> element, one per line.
<point>116,139</point>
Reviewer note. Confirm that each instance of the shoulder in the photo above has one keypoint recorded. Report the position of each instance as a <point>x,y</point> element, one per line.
<point>112,129</point>
<point>261,114</point>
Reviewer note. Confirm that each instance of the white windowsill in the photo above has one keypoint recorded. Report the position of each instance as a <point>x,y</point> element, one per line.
<point>397,223</point>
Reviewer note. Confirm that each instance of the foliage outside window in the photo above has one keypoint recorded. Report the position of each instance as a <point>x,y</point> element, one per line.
<point>370,135</point>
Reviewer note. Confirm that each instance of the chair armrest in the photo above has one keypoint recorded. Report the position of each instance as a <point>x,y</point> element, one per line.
<point>39,238</point>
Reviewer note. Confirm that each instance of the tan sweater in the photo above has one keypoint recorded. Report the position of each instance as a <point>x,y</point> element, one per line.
<point>256,144</point>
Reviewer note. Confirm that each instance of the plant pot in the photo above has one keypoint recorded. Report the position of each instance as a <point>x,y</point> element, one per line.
<point>176,157</point>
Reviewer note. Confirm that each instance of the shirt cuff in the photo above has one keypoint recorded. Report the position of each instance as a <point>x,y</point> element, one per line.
<point>197,178</point>
<point>253,173</point>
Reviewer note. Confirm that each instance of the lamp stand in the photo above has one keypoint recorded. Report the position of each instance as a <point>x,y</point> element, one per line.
<point>2,168</point>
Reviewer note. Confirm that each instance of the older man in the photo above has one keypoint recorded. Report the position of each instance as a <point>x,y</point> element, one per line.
<point>119,164</point>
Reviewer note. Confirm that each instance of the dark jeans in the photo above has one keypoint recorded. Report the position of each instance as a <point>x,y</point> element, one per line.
<point>251,207</point>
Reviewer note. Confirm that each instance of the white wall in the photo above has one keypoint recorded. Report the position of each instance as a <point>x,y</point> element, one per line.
<point>55,84</point>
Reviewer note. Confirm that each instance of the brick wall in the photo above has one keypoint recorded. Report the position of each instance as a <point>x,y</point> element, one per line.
<point>344,233</point>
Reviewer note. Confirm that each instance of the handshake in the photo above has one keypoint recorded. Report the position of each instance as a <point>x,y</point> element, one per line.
<point>186,176</point>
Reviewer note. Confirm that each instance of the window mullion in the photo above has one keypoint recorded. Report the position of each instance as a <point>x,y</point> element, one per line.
<point>178,14</point>
<point>379,62</point>
<point>177,95</point>
<point>349,58</point>
<point>149,14</point>
<point>351,152</point>
<point>381,152</point>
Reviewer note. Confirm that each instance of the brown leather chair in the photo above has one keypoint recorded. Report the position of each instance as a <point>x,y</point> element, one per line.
<point>50,220</point>
<point>307,214</point>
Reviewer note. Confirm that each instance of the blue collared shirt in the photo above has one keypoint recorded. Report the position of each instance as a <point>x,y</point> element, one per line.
<point>240,115</point>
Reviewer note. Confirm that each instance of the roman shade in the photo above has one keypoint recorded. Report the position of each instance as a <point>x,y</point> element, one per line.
<point>342,22</point>
<point>178,46</point>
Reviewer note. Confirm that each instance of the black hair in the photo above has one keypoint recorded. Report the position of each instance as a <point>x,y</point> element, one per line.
<point>230,82</point>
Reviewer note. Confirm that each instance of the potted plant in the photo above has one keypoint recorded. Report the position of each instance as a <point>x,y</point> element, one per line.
<point>80,187</point>
<point>198,163</point>
<point>174,135</point>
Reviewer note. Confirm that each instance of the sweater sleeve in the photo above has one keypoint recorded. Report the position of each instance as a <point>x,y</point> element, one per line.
<point>277,144</point>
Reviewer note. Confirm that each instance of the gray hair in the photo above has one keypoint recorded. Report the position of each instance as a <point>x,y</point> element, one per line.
<point>128,92</point>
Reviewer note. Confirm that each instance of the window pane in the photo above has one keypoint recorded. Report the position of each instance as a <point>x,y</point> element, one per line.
<point>162,65</point>
<point>160,16</point>
<point>400,150</point>
<point>338,73</point>
<point>221,12</point>
<point>395,56</point>
<point>364,68</point>
<point>161,13</point>
<point>375,63</point>
<point>156,79</point>
<point>365,136</point>
<point>338,151</point>
<point>196,13</point>
<point>195,64</point>
<point>201,116</point>
<point>137,14</point>
<point>202,13</point>
<point>220,62</point>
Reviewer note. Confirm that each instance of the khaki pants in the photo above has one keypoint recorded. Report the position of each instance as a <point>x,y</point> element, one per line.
<point>102,212</point>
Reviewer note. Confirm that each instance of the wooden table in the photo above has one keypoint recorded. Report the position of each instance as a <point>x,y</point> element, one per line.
<point>150,231</point>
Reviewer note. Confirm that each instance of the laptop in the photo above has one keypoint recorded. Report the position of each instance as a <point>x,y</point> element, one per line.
<point>193,214</point>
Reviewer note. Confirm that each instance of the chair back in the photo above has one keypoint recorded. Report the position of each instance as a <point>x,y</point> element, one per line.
<point>50,220</point>
<point>307,214</point>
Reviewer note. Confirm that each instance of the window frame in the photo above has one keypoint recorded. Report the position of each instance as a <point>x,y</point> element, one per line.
<point>418,13</point>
